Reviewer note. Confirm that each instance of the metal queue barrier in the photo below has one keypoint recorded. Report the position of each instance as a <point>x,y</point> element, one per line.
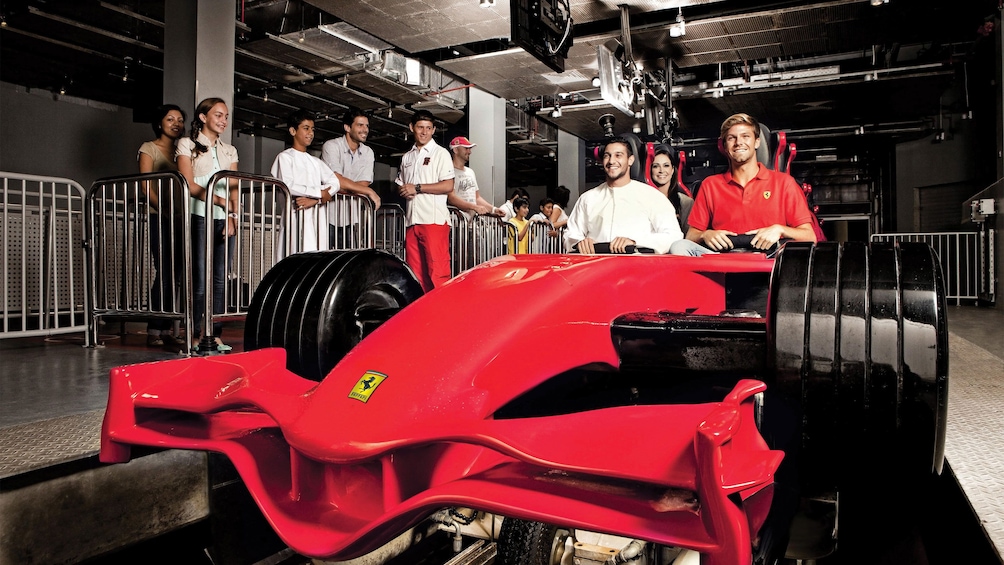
<point>43,262</point>
<point>355,222</point>
<point>968,270</point>
<point>476,239</point>
<point>264,209</point>
<point>138,242</point>
<point>545,239</point>
<point>389,229</point>
<point>138,261</point>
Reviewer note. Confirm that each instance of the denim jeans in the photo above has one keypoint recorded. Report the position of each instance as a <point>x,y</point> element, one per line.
<point>687,247</point>
<point>220,261</point>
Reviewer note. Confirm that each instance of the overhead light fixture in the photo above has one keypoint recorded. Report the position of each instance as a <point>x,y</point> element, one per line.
<point>879,2</point>
<point>487,3</point>
<point>596,82</point>
<point>264,97</point>
<point>679,29</point>
<point>125,68</point>
<point>303,36</point>
<point>556,113</point>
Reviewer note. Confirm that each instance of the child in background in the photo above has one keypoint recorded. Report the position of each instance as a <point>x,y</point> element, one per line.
<point>310,180</point>
<point>521,206</point>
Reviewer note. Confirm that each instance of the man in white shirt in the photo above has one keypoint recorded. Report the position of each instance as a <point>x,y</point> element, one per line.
<point>309,180</point>
<point>425,179</point>
<point>506,208</point>
<point>352,161</point>
<point>621,211</point>
<point>466,196</point>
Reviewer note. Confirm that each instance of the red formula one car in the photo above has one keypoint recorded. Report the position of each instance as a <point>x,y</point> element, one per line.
<point>692,406</point>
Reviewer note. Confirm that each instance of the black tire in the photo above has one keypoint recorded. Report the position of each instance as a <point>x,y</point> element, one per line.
<point>286,330</point>
<point>522,542</point>
<point>258,323</point>
<point>858,339</point>
<point>317,306</point>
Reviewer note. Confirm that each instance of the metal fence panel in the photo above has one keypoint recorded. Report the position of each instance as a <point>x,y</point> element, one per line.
<point>389,229</point>
<point>137,242</point>
<point>41,225</point>
<point>545,239</point>
<point>131,219</point>
<point>959,254</point>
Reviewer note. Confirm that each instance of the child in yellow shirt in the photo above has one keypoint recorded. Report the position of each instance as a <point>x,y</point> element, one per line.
<point>522,207</point>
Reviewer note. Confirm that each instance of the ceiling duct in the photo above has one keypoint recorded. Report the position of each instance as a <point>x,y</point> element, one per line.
<point>397,67</point>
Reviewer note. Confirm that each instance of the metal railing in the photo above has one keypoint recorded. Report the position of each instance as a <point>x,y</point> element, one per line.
<point>138,238</point>
<point>545,239</point>
<point>138,260</point>
<point>961,255</point>
<point>354,221</point>
<point>476,239</point>
<point>43,261</point>
<point>264,209</point>
<point>389,229</point>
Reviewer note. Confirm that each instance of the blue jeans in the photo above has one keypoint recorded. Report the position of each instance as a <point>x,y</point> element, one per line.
<point>220,261</point>
<point>687,247</point>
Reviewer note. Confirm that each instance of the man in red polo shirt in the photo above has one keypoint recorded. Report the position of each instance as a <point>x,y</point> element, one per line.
<point>748,199</point>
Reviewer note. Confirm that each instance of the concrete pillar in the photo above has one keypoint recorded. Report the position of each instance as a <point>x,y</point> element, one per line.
<point>199,53</point>
<point>486,120</point>
<point>572,165</point>
<point>999,96</point>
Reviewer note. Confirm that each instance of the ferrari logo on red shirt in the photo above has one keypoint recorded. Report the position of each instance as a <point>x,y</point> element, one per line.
<point>766,195</point>
<point>427,159</point>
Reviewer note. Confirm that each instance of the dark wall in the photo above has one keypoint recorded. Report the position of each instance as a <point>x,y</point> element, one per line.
<point>50,135</point>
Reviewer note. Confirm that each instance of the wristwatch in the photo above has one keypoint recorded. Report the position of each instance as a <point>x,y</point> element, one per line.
<point>418,188</point>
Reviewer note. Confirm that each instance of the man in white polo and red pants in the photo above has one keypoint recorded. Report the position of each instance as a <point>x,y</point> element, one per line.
<point>425,180</point>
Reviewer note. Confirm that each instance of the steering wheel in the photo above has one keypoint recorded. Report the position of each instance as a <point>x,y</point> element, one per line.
<point>604,249</point>
<point>743,243</point>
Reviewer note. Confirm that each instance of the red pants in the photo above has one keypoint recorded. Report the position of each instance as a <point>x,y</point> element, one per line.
<point>427,252</point>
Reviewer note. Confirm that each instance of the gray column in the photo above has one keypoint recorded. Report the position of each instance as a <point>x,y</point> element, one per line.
<point>999,97</point>
<point>572,164</point>
<point>199,53</point>
<point>486,119</point>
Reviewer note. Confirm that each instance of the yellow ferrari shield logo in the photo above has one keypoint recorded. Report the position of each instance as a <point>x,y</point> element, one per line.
<point>366,385</point>
<point>766,195</point>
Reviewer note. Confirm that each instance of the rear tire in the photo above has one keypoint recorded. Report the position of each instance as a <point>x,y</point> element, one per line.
<point>858,337</point>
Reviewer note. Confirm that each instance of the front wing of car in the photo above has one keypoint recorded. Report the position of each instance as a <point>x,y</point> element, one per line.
<point>701,478</point>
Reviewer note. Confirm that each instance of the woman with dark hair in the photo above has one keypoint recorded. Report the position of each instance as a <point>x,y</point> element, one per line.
<point>155,156</point>
<point>664,167</point>
<point>199,157</point>
<point>558,215</point>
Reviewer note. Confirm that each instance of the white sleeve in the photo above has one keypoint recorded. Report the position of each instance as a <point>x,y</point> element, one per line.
<point>665,227</point>
<point>284,168</point>
<point>328,178</point>
<point>575,229</point>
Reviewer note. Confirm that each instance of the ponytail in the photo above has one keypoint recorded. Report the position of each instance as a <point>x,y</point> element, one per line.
<point>203,108</point>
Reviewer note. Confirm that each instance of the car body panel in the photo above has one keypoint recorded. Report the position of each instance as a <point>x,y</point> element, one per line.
<point>405,423</point>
